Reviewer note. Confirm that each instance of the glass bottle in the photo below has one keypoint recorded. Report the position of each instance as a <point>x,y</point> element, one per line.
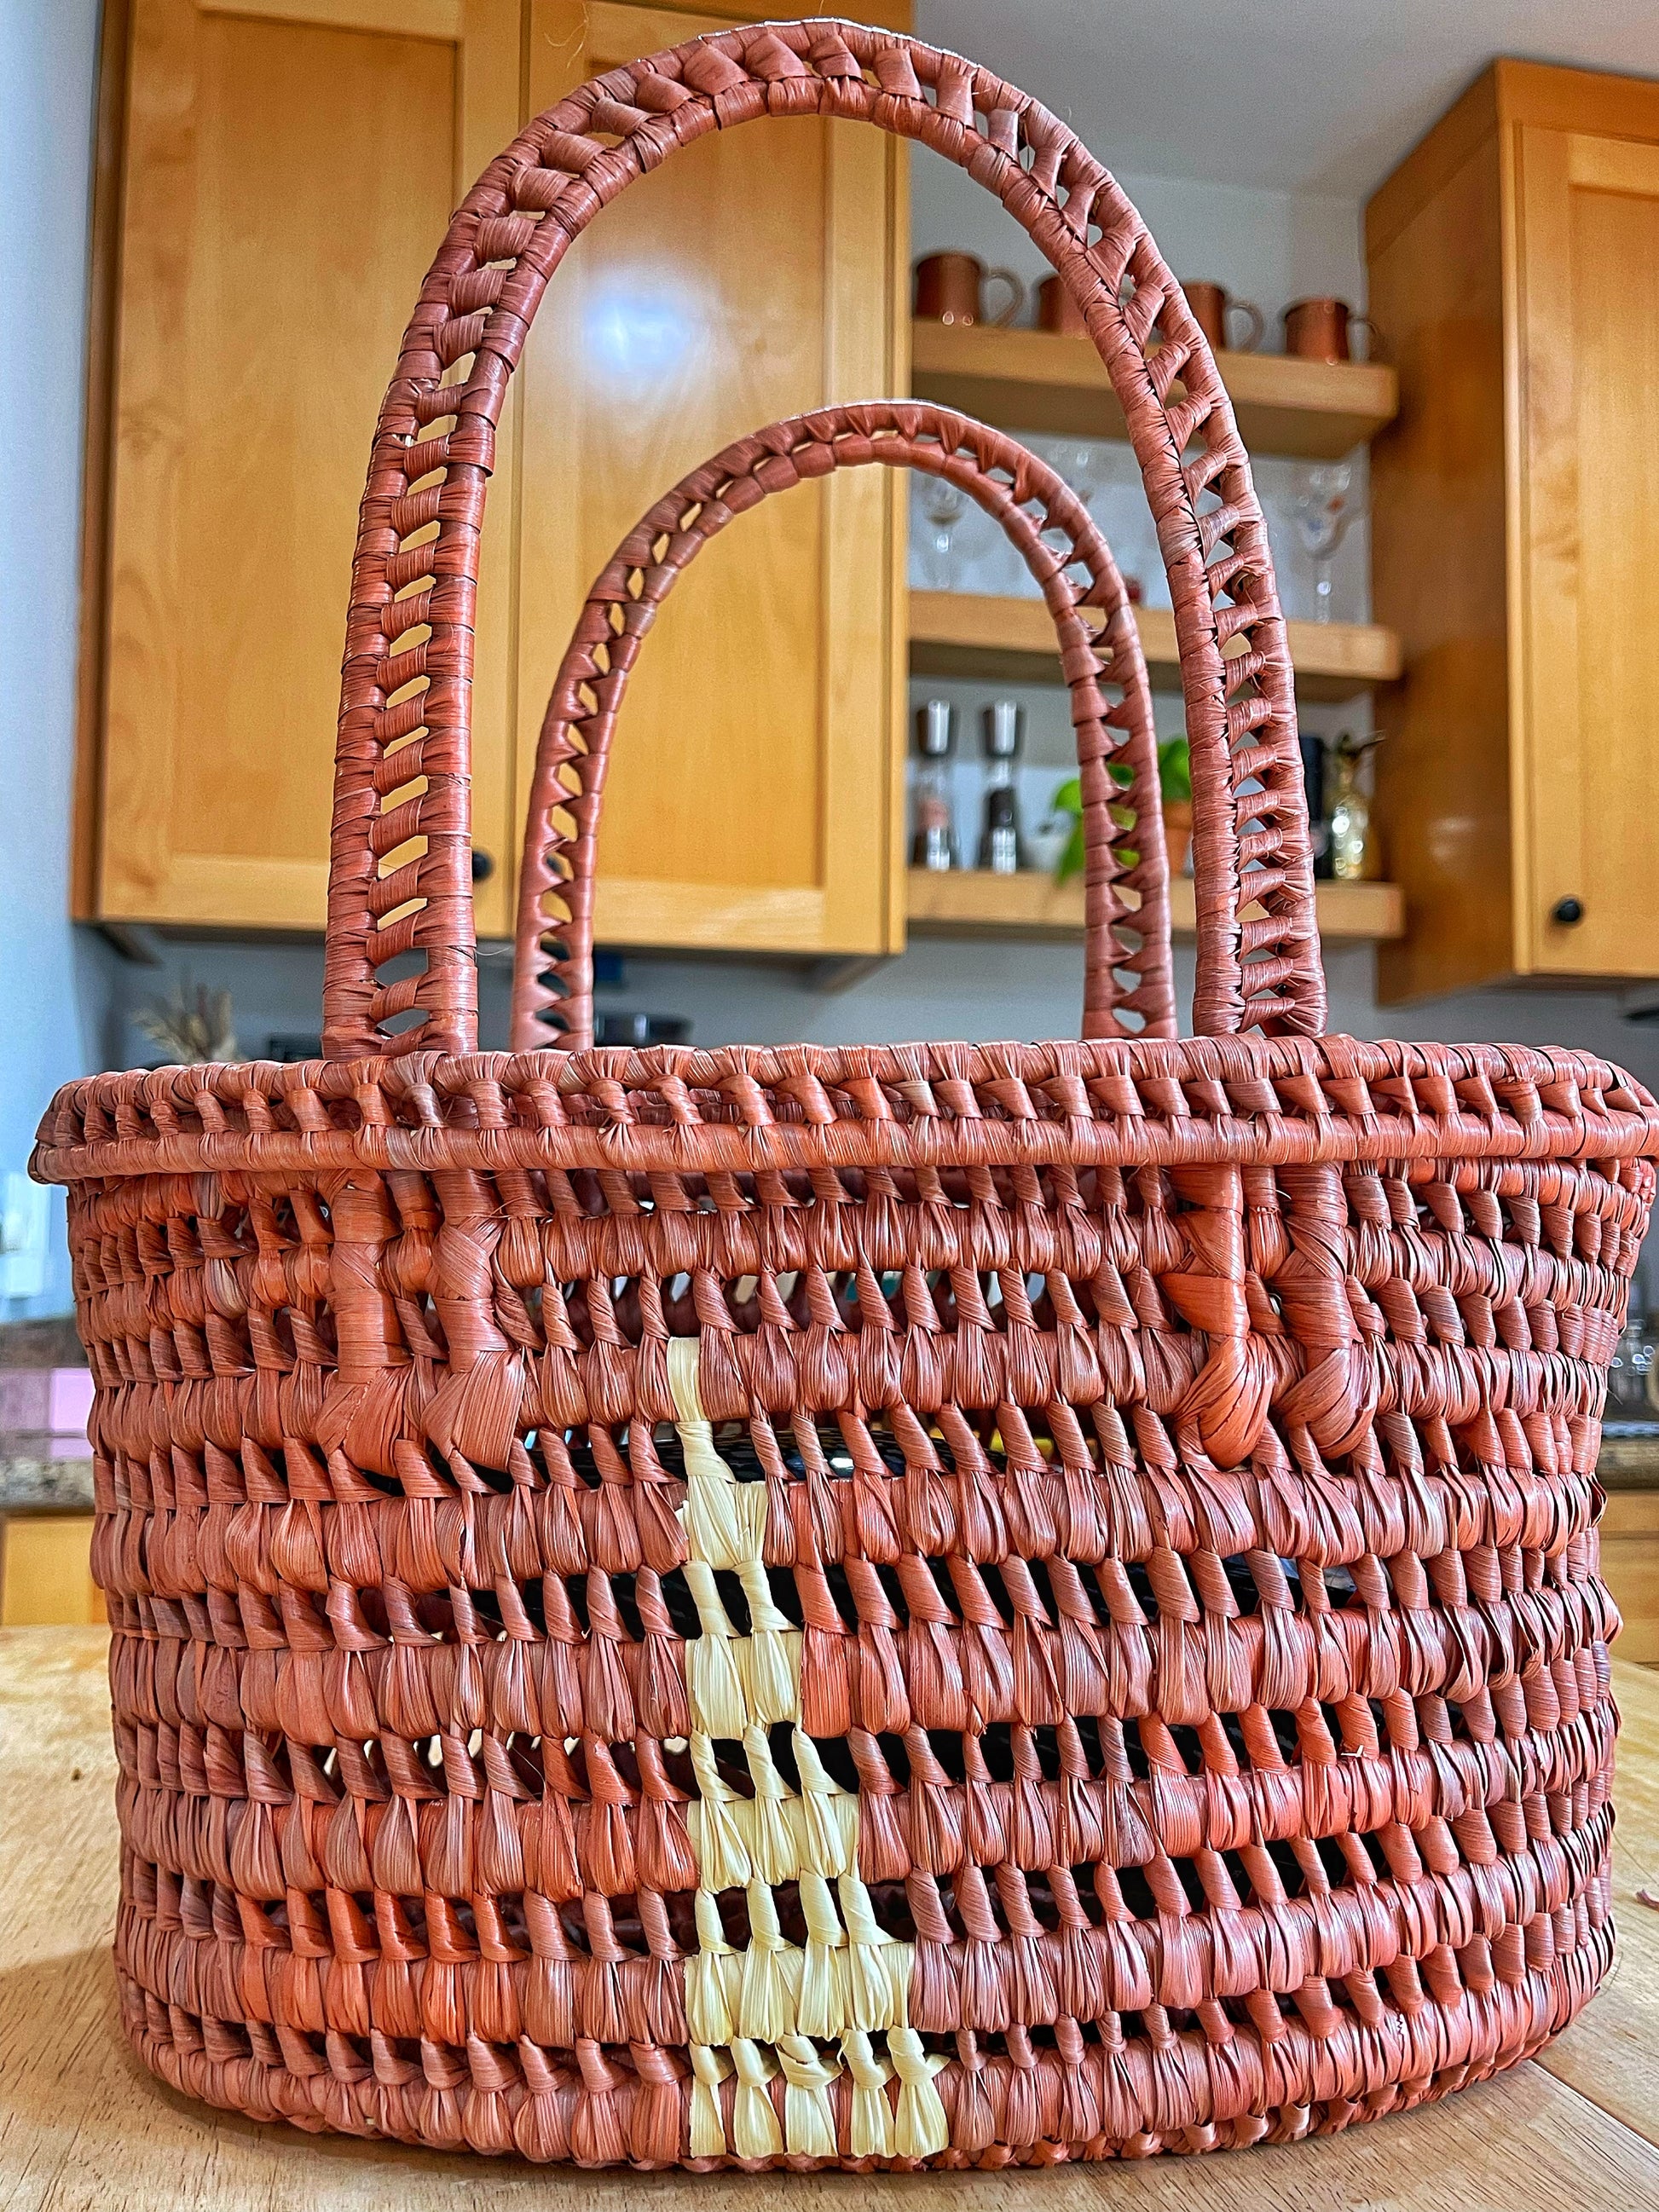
<point>1354,854</point>
<point>1001,847</point>
<point>933,845</point>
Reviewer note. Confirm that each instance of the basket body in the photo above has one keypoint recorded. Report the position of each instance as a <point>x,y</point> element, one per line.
<point>953,1605</point>
<point>962,1604</point>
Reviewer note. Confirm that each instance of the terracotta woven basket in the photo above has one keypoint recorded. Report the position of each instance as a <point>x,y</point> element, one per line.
<point>948,1604</point>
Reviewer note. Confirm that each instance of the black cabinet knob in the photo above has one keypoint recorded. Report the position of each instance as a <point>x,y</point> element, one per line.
<point>483,868</point>
<point>1567,911</point>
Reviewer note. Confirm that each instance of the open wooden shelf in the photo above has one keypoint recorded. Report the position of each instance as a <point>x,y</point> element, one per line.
<point>1011,641</point>
<point>1036,380</point>
<point>970,901</point>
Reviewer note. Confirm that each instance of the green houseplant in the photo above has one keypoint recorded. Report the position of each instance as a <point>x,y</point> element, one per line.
<point>1174,776</point>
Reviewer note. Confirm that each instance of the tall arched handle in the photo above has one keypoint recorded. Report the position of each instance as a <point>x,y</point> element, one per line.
<point>553,961</point>
<point>403,761</point>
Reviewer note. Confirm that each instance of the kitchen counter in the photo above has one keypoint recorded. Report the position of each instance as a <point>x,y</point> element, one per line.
<point>82,2124</point>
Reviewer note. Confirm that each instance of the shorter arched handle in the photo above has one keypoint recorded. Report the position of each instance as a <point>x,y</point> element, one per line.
<point>1127,964</point>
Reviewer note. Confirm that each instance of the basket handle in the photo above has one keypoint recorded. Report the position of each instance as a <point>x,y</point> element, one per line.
<point>553,961</point>
<point>402,759</point>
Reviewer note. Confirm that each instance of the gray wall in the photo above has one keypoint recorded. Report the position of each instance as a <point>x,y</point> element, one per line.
<point>51,990</point>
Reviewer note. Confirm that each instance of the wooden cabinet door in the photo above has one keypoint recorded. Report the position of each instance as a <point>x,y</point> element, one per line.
<point>753,797</point>
<point>1586,544</point>
<point>291,165</point>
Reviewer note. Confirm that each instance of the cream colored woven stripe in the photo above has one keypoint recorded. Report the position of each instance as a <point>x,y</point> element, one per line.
<point>766,2009</point>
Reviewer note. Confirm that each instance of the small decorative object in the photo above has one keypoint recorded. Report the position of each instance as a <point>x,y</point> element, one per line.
<point>1322,507</point>
<point>1212,303</point>
<point>1322,330</point>
<point>192,1027</point>
<point>944,506</point>
<point>1313,787</point>
<point>1355,857</point>
<point>1046,838</point>
<point>953,1605</point>
<point>1001,848</point>
<point>950,289</point>
<point>1630,1372</point>
<point>935,843</point>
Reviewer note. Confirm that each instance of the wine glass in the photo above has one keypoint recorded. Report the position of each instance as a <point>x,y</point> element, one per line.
<point>1076,465</point>
<point>943,505</point>
<point>1321,507</point>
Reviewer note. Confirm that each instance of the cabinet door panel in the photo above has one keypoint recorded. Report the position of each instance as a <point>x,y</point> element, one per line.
<point>291,168</point>
<point>1589,536</point>
<point>750,798</point>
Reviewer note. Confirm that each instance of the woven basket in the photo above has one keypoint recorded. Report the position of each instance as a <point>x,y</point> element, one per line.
<point>942,1604</point>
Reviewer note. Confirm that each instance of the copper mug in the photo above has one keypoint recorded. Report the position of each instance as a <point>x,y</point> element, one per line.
<point>1320,329</point>
<point>1058,311</point>
<point>1212,303</point>
<point>950,289</point>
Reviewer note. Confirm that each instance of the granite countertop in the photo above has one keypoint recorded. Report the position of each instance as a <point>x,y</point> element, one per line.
<point>36,1474</point>
<point>42,1470</point>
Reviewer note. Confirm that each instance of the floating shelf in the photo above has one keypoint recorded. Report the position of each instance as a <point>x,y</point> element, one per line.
<point>1313,410</point>
<point>969,901</point>
<point>1011,641</point>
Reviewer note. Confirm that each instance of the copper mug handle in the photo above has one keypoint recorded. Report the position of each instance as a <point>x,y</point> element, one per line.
<point>1258,329</point>
<point>1016,297</point>
<point>1373,336</point>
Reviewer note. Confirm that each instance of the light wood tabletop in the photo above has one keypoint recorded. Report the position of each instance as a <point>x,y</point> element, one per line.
<point>83,2125</point>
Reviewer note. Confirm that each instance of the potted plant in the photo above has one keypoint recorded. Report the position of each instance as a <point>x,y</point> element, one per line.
<point>1175,777</point>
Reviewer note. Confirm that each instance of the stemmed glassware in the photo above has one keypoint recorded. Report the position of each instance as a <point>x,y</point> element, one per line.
<point>1077,464</point>
<point>1321,507</point>
<point>943,505</point>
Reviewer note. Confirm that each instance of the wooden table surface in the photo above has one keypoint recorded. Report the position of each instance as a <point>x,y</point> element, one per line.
<point>83,2125</point>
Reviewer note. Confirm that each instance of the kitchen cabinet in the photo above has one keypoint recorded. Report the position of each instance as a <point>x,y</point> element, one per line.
<point>45,1577</point>
<point>1514,261</point>
<point>1629,1537</point>
<point>754,796</point>
<point>288,170</point>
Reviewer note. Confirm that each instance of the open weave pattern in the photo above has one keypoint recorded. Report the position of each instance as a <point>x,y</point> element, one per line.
<point>1126,871</point>
<point>961,1605</point>
<point>405,699</point>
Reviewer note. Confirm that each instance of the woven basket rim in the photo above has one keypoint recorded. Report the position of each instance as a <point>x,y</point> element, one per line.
<point>1245,1100</point>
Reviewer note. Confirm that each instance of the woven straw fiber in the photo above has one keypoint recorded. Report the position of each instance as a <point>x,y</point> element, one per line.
<point>946,1604</point>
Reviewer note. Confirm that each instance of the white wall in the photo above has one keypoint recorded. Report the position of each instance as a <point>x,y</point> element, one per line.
<point>48,63</point>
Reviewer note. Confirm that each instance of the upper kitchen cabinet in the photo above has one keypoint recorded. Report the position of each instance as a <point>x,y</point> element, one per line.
<point>1515,274</point>
<point>285,173</point>
<point>754,796</point>
<point>289,169</point>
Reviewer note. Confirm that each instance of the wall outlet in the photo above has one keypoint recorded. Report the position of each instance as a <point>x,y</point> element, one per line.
<point>24,1218</point>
